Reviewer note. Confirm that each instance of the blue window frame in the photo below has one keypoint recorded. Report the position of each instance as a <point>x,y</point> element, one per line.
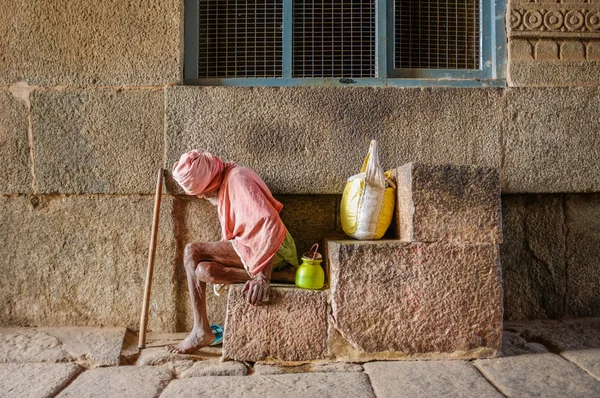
<point>345,43</point>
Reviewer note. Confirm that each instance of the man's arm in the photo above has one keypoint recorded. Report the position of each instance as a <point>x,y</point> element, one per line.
<point>257,289</point>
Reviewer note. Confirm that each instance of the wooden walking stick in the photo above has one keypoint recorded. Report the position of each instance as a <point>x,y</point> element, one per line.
<point>151,255</point>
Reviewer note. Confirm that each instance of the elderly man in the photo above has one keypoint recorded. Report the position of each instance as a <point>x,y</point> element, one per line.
<point>255,241</point>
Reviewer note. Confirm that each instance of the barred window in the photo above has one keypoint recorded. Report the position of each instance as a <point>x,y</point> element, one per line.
<point>352,42</point>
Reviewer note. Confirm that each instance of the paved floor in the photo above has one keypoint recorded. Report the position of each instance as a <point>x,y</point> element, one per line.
<point>540,359</point>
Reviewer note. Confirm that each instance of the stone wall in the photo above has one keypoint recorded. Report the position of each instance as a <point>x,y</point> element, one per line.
<point>90,107</point>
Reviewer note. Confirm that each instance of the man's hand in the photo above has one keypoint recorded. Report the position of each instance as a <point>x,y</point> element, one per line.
<point>256,290</point>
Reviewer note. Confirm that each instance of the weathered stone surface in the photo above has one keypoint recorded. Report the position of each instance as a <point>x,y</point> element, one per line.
<point>546,50</point>
<point>520,49</point>
<point>119,382</point>
<point>327,385</point>
<point>533,256</point>
<point>513,344</point>
<point>540,73</point>
<point>336,367</point>
<point>588,360</point>
<point>160,356</point>
<point>417,299</point>
<point>81,260</point>
<point>572,51</point>
<point>15,175</point>
<point>560,336</point>
<point>97,141</point>
<point>308,218</point>
<point>98,346</point>
<point>20,345</point>
<point>583,255</point>
<point>291,326</point>
<point>310,140</point>
<point>538,375</point>
<point>428,379</point>
<point>593,51</point>
<point>110,43</point>
<point>448,203</point>
<point>550,144</point>
<point>215,367</point>
<point>39,380</point>
<point>101,346</point>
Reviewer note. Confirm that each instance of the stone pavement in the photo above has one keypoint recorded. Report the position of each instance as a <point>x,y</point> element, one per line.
<point>539,359</point>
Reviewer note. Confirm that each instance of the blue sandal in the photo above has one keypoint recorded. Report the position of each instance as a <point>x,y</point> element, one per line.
<point>218,332</point>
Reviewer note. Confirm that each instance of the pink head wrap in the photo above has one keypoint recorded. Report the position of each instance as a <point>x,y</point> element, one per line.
<point>198,172</point>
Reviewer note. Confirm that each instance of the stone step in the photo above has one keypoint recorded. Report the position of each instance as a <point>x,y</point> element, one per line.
<point>291,326</point>
<point>448,203</point>
<point>387,300</point>
<point>434,300</point>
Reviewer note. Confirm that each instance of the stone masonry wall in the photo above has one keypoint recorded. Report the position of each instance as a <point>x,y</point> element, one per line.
<point>91,105</point>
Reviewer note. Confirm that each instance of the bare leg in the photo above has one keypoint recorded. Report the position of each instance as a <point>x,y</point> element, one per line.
<point>206,262</point>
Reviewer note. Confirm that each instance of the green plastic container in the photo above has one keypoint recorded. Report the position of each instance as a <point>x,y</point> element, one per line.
<point>309,274</point>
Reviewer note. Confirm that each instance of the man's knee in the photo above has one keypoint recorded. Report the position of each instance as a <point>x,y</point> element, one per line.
<point>193,254</point>
<point>208,272</point>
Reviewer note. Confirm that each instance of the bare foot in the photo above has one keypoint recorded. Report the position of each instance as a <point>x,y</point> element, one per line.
<point>194,341</point>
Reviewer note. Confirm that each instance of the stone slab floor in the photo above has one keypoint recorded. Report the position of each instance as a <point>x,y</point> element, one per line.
<point>539,359</point>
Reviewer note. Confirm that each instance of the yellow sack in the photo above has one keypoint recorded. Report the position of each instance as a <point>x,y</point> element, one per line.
<point>368,200</point>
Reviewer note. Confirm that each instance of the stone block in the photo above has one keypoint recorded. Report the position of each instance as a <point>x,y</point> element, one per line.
<point>119,382</point>
<point>537,375</point>
<point>96,346</point>
<point>519,49</point>
<point>428,379</point>
<point>560,336</point>
<point>546,50</point>
<point>550,143</point>
<point>261,369</point>
<point>97,141</point>
<point>513,344</point>
<point>15,175</point>
<point>111,43</point>
<point>417,300</point>
<point>309,140</point>
<point>308,218</point>
<point>588,360</point>
<point>593,51</point>
<point>448,203</point>
<point>326,385</point>
<point>583,255</point>
<point>38,380</point>
<point>533,257</point>
<point>291,326</point>
<point>215,367</point>
<point>572,51</point>
<point>553,73</point>
<point>81,260</point>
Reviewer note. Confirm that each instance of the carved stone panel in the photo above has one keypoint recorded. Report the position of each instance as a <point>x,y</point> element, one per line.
<point>553,42</point>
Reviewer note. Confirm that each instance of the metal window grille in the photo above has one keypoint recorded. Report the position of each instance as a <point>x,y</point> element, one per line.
<point>334,38</point>
<point>239,38</point>
<point>437,34</point>
<point>358,42</point>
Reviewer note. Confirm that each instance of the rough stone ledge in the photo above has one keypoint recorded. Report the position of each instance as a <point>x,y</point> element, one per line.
<point>450,203</point>
<point>393,299</point>
<point>291,326</point>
